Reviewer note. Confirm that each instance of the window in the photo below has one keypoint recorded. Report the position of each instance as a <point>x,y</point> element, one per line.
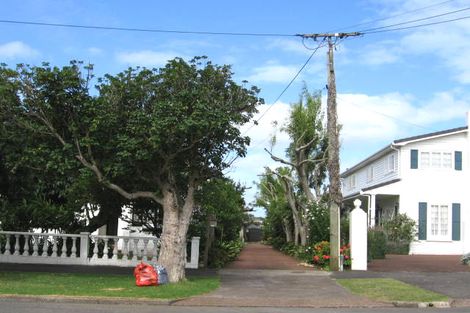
<point>436,159</point>
<point>425,160</point>
<point>439,222</point>
<point>352,181</point>
<point>391,163</point>
<point>370,173</point>
<point>447,160</point>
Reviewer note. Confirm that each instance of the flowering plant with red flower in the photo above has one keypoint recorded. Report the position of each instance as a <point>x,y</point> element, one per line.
<point>345,251</point>
<point>321,254</point>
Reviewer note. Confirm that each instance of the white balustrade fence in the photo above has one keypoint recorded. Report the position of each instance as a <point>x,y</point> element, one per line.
<point>84,249</point>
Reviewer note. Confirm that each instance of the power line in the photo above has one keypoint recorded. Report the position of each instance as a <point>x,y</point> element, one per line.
<point>416,20</point>
<point>416,26</point>
<point>322,44</point>
<point>393,16</point>
<point>147,30</point>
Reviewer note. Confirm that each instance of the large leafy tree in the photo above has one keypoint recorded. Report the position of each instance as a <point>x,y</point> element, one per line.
<point>152,134</point>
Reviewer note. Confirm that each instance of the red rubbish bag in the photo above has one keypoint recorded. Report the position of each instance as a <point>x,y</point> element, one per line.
<point>145,275</point>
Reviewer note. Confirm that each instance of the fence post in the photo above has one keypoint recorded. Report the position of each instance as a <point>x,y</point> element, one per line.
<point>358,237</point>
<point>194,253</point>
<point>84,247</point>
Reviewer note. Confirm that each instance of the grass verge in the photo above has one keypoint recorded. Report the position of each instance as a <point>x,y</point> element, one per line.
<point>387,289</point>
<point>93,285</point>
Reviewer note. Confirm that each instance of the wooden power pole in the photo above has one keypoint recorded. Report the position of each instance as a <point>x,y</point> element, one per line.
<point>333,149</point>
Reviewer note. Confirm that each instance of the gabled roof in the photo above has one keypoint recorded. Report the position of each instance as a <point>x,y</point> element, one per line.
<point>401,142</point>
<point>430,135</point>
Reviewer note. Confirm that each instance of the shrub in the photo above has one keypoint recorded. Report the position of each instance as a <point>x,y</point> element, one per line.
<point>321,255</point>
<point>400,229</point>
<point>344,229</point>
<point>299,252</point>
<point>319,222</point>
<point>223,252</point>
<point>345,251</point>
<point>466,259</point>
<point>376,243</point>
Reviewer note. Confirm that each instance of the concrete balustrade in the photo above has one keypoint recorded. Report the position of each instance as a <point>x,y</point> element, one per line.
<point>84,249</point>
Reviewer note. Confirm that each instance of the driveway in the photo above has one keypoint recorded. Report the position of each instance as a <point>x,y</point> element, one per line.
<point>264,277</point>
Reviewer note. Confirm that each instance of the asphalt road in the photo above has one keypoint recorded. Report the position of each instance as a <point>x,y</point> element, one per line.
<point>14,306</point>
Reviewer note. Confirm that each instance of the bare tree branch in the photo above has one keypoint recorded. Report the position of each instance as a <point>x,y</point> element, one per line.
<point>94,168</point>
<point>277,159</point>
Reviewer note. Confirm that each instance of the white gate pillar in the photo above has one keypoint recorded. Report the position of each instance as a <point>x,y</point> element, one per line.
<point>358,237</point>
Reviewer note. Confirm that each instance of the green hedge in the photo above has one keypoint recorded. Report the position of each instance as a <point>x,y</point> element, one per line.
<point>376,244</point>
<point>222,253</point>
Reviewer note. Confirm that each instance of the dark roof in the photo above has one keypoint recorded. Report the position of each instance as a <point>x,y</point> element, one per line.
<point>442,132</point>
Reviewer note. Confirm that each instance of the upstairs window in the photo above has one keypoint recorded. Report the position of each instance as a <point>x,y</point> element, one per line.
<point>435,159</point>
<point>425,160</point>
<point>352,181</point>
<point>391,163</point>
<point>370,173</point>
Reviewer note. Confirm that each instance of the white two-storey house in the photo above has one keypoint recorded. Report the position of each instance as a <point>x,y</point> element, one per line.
<point>428,178</point>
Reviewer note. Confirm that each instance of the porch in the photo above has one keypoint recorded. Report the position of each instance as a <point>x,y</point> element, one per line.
<point>379,207</point>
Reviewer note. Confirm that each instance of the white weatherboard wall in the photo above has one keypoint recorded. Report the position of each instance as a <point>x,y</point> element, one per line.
<point>358,237</point>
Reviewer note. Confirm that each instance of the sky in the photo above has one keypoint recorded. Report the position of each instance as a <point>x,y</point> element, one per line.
<point>391,84</point>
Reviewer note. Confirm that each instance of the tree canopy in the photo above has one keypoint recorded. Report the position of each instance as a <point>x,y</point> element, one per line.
<point>151,134</point>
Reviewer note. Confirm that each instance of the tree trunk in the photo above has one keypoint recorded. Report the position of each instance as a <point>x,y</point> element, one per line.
<point>287,229</point>
<point>175,227</point>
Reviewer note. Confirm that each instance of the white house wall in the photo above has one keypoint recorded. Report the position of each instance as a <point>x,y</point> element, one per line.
<point>381,174</point>
<point>437,186</point>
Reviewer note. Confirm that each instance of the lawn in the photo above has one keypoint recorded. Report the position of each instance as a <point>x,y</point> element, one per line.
<point>387,289</point>
<point>94,285</point>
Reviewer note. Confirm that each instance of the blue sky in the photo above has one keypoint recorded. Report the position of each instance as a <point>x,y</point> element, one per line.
<point>390,85</point>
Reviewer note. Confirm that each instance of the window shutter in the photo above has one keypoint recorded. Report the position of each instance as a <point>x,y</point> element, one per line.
<point>414,159</point>
<point>456,221</point>
<point>422,220</point>
<point>458,160</point>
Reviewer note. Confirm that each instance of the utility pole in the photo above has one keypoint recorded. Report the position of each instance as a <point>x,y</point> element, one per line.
<point>333,148</point>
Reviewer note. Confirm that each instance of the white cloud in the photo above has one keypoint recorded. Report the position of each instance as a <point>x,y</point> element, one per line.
<point>268,115</point>
<point>379,55</point>
<point>246,170</point>
<point>448,41</point>
<point>95,51</point>
<point>148,58</point>
<point>273,73</point>
<point>17,49</point>
<point>390,116</point>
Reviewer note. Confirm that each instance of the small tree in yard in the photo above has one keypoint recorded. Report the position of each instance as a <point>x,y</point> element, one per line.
<point>154,134</point>
<point>400,231</point>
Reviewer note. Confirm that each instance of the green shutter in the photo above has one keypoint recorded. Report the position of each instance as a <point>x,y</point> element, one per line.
<point>456,221</point>
<point>414,159</point>
<point>422,220</point>
<point>458,160</point>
